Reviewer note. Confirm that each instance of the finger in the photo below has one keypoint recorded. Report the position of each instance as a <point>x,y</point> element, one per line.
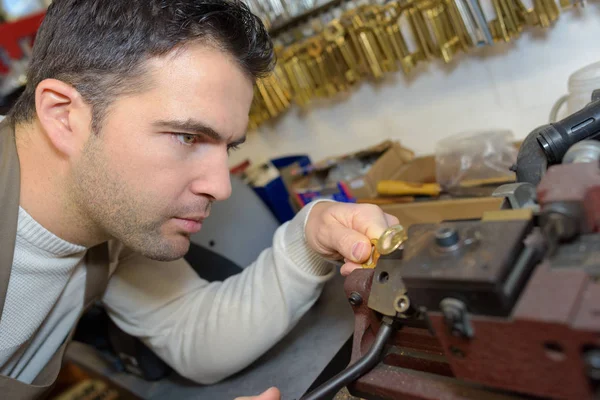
<point>351,244</point>
<point>271,394</point>
<point>391,220</point>
<point>349,267</point>
<point>370,220</point>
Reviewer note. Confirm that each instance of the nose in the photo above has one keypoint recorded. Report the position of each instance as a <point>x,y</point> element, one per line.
<point>212,176</point>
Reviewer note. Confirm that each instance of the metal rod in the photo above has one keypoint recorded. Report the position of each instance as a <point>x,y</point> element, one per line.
<point>356,370</point>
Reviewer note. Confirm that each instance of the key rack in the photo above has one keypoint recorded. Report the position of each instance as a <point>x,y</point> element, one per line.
<point>332,47</point>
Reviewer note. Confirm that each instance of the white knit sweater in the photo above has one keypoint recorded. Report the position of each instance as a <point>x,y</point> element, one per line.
<point>205,331</point>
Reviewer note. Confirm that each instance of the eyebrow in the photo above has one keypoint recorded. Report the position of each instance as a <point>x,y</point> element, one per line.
<point>197,128</point>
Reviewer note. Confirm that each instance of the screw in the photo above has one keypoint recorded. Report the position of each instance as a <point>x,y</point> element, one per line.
<point>592,362</point>
<point>446,237</point>
<point>355,299</point>
<point>402,304</point>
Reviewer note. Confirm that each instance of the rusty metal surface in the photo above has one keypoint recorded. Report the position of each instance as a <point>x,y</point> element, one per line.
<point>418,339</point>
<point>551,295</point>
<point>359,282</point>
<point>588,316</point>
<point>486,257</point>
<point>415,360</point>
<point>592,208</point>
<point>474,272</point>
<point>545,346</point>
<point>568,182</point>
<point>414,353</point>
<point>388,382</point>
<point>387,286</point>
<point>537,352</point>
<point>583,252</point>
<point>529,357</point>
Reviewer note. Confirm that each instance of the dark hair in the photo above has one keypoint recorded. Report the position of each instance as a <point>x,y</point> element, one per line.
<point>100,47</point>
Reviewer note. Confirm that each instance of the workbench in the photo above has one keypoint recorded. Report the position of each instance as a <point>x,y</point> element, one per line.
<point>292,365</point>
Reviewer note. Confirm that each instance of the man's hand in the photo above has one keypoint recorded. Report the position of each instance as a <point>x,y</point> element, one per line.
<point>344,231</point>
<point>271,394</point>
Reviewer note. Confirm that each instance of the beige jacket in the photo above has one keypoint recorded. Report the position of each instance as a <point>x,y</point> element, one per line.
<point>97,262</point>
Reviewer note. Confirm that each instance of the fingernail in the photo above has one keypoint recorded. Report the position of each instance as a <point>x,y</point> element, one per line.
<point>357,250</point>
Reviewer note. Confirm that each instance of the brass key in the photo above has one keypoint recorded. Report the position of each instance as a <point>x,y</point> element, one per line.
<point>354,41</point>
<point>314,48</point>
<point>334,67</point>
<point>527,16</point>
<point>463,23</point>
<point>391,240</point>
<point>444,39</point>
<point>280,86</point>
<point>390,19</point>
<point>547,12</point>
<point>510,17</point>
<point>370,51</point>
<point>374,257</point>
<point>310,68</point>
<point>303,70</point>
<point>258,112</point>
<point>407,13</point>
<point>470,23</point>
<point>565,4</point>
<point>335,33</point>
<point>374,20</point>
<point>298,80</point>
<point>421,31</point>
<point>273,112</point>
<point>498,25</point>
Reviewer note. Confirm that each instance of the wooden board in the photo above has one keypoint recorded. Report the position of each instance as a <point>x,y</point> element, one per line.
<point>442,210</point>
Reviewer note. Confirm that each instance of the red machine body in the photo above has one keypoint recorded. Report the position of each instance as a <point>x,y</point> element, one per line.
<point>541,341</point>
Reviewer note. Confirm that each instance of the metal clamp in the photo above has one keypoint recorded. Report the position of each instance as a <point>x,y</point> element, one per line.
<point>518,195</point>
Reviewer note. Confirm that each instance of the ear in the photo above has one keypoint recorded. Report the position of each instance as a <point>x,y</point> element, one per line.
<point>63,115</point>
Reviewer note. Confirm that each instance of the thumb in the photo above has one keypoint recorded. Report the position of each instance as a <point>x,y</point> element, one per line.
<point>270,394</point>
<point>351,244</point>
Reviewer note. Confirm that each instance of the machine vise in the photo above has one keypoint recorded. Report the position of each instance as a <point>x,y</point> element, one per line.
<point>503,307</point>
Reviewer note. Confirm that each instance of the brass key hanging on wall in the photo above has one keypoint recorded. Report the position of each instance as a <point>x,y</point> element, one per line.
<point>368,39</point>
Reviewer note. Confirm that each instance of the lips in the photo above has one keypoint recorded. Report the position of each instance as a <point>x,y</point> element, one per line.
<point>195,219</point>
<point>189,225</point>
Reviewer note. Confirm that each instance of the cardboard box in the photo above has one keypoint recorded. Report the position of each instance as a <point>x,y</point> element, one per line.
<point>386,167</point>
<point>389,157</point>
<point>395,162</point>
<point>422,170</point>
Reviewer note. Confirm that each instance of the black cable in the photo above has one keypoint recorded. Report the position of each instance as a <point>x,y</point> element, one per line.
<point>356,370</point>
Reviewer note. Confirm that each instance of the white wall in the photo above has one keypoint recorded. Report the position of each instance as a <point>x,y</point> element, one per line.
<point>510,86</point>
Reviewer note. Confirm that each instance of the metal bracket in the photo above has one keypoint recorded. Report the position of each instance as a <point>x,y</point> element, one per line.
<point>457,318</point>
<point>518,195</point>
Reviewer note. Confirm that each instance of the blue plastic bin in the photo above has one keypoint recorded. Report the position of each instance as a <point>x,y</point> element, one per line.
<point>275,194</point>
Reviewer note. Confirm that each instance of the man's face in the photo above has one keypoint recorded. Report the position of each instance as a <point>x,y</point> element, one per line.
<point>150,176</point>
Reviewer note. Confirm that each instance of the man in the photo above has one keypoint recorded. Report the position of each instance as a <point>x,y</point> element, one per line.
<point>121,139</point>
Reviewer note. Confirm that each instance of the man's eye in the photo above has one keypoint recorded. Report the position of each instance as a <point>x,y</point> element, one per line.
<point>185,139</point>
<point>232,147</point>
